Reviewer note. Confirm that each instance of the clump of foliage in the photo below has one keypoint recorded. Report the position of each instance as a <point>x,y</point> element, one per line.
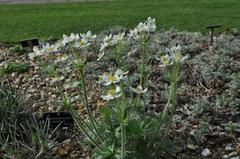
<point>124,129</point>
<point>17,49</point>
<point>21,136</point>
<point>219,69</point>
<point>13,107</point>
<point>14,66</point>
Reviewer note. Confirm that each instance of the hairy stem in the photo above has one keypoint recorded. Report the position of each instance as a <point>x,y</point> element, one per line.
<point>89,112</point>
<point>122,122</point>
<point>170,103</point>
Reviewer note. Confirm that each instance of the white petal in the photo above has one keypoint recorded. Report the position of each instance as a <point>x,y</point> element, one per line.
<point>117,95</point>
<point>107,83</point>
<point>107,97</point>
<point>32,55</point>
<point>118,89</point>
<point>145,90</point>
<point>134,90</point>
<point>100,56</point>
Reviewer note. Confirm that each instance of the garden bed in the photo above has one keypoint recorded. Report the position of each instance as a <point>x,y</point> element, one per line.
<point>206,118</point>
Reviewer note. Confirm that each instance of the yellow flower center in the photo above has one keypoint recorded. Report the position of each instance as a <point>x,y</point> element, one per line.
<point>111,92</point>
<point>112,78</point>
<point>165,60</point>
<point>50,49</point>
<point>82,42</point>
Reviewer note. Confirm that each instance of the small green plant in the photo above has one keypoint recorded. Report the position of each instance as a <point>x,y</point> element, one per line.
<point>14,66</point>
<point>231,127</point>
<point>123,130</point>
<point>12,107</point>
<point>201,130</point>
<point>201,104</point>
<point>21,135</point>
<point>17,49</point>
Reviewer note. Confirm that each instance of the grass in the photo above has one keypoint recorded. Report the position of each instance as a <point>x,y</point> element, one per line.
<point>21,21</point>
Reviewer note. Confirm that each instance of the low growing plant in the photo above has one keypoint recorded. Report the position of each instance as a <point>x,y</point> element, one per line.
<point>123,129</point>
<point>18,49</point>
<point>21,135</point>
<point>14,66</point>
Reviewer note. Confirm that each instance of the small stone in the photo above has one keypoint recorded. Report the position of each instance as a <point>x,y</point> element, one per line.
<point>225,156</point>
<point>54,96</point>
<point>13,74</point>
<point>233,154</point>
<point>67,141</point>
<point>238,157</point>
<point>32,90</point>
<point>229,148</point>
<point>42,94</point>
<point>206,152</point>
<point>192,147</point>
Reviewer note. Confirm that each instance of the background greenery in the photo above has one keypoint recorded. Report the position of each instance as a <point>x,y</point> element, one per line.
<point>22,21</point>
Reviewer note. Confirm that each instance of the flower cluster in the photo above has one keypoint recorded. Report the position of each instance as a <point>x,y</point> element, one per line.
<point>173,56</point>
<point>44,50</point>
<point>142,28</point>
<point>110,79</point>
<point>75,40</point>
<point>79,40</point>
<point>109,41</point>
<point>147,27</point>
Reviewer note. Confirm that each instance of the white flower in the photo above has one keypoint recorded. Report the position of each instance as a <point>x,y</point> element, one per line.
<point>50,48</point>
<point>133,34</point>
<point>139,90</point>
<point>174,55</point>
<point>74,37</point>
<point>112,94</point>
<point>36,52</point>
<point>175,52</point>
<point>150,25</point>
<point>141,27</point>
<point>81,44</point>
<point>106,42</point>
<point>65,40</point>
<point>61,58</point>
<point>110,40</point>
<point>45,50</point>
<point>71,38</point>
<point>88,36</point>
<point>147,27</point>
<point>108,79</point>
<point>117,38</point>
<point>166,60</point>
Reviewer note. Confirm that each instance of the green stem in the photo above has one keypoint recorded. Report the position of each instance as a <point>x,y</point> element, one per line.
<point>171,101</point>
<point>122,140</point>
<point>89,112</point>
<point>143,69</point>
<point>119,54</point>
<point>74,114</point>
<point>122,122</point>
<point>80,125</point>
